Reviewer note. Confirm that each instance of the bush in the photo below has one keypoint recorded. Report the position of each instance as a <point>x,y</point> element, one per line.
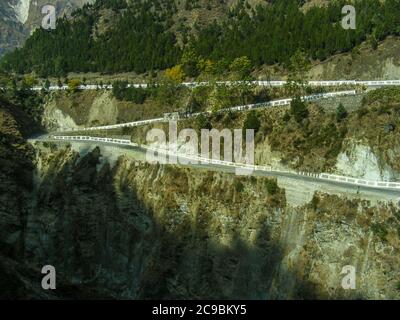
<point>272,186</point>
<point>122,92</point>
<point>189,62</point>
<point>241,68</point>
<point>315,202</point>
<point>73,85</point>
<point>286,117</point>
<point>229,117</point>
<point>379,230</point>
<point>175,74</point>
<point>136,95</point>
<point>262,95</point>
<point>119,88</point>
<point>252,122</point>
<point>239,187</point>
<point>361,112</point>
<point>299,109</point>
<point>341,113</point>
<point>202,122</point>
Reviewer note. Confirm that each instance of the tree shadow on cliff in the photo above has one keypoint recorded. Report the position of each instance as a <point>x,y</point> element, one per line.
<point>207,269</point>
<point>93,225</point>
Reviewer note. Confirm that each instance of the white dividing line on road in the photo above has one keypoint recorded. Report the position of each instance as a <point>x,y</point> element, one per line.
<point>322,83</point>
<point>275,103</point>
<point>268,169</point>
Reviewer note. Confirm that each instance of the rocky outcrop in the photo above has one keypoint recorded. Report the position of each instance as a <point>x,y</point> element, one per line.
<point>360,161</point>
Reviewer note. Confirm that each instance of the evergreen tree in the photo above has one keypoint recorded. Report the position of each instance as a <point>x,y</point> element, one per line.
<point>252,122</point>
<point>341,112</point>
<point>299,109</point>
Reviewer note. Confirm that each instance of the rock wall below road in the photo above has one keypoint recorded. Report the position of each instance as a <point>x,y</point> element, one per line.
<point>143,231</point>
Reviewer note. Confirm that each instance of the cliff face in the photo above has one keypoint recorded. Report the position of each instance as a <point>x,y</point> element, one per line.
<point>16,173</point>
<point>144,231</point>
<point>148,231</point>
<point>134,230</point>
<point>15,177</point>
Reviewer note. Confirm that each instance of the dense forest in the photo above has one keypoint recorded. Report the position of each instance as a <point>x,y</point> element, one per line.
<point>143,37</point>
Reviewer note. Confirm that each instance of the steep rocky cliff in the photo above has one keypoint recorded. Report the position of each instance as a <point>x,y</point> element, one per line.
<point>16,185</point>
<point>146,231</point>
<point>135,230</point>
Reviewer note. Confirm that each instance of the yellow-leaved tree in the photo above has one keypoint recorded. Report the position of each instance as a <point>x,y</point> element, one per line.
<point>73,85</point>
<point>175,74</point>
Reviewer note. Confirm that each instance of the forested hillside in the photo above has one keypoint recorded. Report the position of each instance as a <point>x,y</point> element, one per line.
<point>115,36</point>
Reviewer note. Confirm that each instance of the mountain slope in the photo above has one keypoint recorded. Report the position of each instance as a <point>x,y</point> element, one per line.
<point>120,36</point>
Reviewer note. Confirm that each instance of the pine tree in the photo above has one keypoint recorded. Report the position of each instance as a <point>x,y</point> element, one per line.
<point>341,112</point>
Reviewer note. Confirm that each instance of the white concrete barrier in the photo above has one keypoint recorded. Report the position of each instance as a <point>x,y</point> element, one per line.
<point>194,158</point>
<point>320,83</point>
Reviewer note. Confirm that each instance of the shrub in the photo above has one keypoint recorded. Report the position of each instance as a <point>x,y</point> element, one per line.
<point>379,230</point>
<point>239,187</point>
<point>286,117</point>
<point>252,121</point>
<point>315,201</point>
<point>73,85</point>
<point>175,74</point>
<point>262,95</point>
<point>229,117</point>
<point>189,62</point>
<point>361,112</point>
<point>119,88</point>
<point>136,95</point>
<point>122,92</point>
<point>29,81</point>
<point>341,113</point>
<point>299,109</point>
<point>202,122</point>
<point>241,67</point>
<point>272,186</point>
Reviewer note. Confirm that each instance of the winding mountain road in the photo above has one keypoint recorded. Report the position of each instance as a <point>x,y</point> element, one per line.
<point>391,189</point>
<point>310,181</point>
